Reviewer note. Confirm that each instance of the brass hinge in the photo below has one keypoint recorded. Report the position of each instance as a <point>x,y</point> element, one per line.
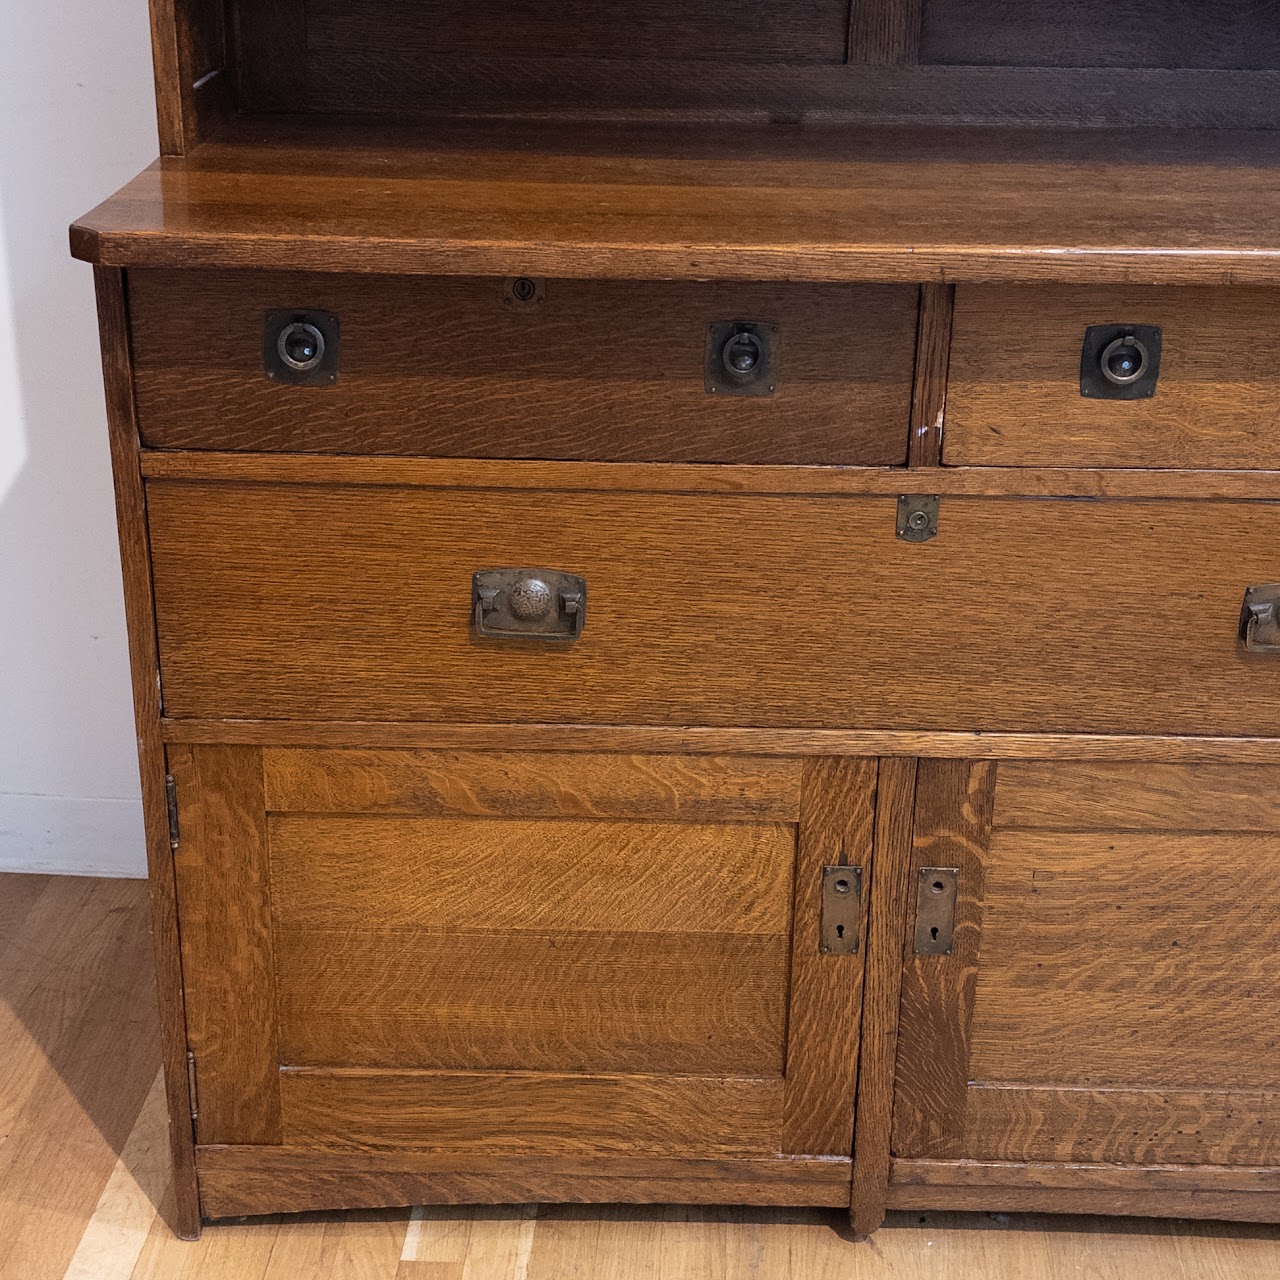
<point>171,800</point>
<point>191,1084</point>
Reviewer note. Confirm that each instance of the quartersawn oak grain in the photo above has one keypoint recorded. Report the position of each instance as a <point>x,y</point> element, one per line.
<point>222,870</point>
<point>532,1112</point>
<point>347,604</point>
<point>135,562</point>
<point>597,370</point>
<point>533,784</point>
<point>1014,392</point>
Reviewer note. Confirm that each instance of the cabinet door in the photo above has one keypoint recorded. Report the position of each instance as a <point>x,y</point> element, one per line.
<point>488,956</point>
<point>1110,997</point>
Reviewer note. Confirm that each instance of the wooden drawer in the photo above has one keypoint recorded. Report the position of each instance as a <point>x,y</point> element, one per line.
<point>1014,390</point>
<point>482,956</point>
<point>354,603</point>
<point>597,371</point>
<point>1110,996</point>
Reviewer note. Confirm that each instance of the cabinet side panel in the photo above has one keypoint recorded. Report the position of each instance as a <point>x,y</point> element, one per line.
<point>135,559</point>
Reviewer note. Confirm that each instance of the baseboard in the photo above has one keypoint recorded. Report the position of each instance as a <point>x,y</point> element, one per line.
<point>63,835</point>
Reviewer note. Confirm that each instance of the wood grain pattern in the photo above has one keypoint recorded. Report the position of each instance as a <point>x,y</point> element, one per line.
<point>952,829</point>
<point>135,562</point>
<point>272,603</point>
<point>1138,797</point>
<point>659,477</point>
<point>929,392</point>
<point>292,1178</point>
<point>232,1195</point>
<point>1077,33</point>
<point>1015,379</point>
<point>445,366</point>
<point>224,902</point>
<point>1198,749</point>
<point>574,876</point>
<point>1145,1126</point>
<point>610,201</point>
<point>1118,1177</point>
<point>533,785</point>
<point>885,32</point>
<point>887,899</point>
<point>1128,959</point>
<point>532,1112</point>
<point>837,822</point>
<point>1227,1206</point>
<point>510,999</point>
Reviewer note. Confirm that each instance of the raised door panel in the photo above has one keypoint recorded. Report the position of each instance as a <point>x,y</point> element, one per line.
<point>1110,996</point>
<point>486,954</point>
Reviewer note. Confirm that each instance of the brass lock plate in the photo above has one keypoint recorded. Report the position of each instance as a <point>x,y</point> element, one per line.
<point>841,910</point>
<point>742,358</point>
<point>936,910</point>
<point>917,516</point>
<point>528,604</point>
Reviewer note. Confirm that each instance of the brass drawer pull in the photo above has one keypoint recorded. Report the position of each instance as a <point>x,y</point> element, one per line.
<point>1260,619</point>
<point>528,604</point>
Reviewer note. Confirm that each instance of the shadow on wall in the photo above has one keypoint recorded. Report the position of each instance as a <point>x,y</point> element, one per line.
<point>79,120</point>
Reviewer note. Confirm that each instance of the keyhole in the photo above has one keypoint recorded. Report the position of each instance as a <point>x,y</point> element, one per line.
<point>933,933</point>
<point>937,886</point>
<point>839,931</point>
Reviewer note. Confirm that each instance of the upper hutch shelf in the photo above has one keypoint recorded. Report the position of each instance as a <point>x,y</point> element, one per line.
<point>815,139</point>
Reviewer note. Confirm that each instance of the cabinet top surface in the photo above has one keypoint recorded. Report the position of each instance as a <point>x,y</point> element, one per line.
<point>774,202</point>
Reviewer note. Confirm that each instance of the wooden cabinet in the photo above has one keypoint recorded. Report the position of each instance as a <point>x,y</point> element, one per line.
<point>704,613</point>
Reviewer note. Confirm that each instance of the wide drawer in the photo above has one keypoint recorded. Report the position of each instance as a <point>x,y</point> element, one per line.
<point>355,603</point>
<point>1014,395</point>
<point>585,370</point>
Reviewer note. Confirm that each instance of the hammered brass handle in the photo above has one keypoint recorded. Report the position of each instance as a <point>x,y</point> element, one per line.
<point>528,604</point>
<point>1260,619</point>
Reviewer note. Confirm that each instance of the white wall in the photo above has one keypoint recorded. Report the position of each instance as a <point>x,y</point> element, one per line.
<point>77,120</point>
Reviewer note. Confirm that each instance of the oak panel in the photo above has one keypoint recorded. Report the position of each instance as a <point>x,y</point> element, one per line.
<point>528,1112</point>
<point>444,874</point>
<point>837,823</point>
<point>272,602</point>
<point>1146,1126</point>
<point>1106,796</point>
<point>224,905</point>
<point>1014,391</point>
<point>1129,959</point>
<point>706,1003</point>
<point>533,785</point>
<point>446,367</point>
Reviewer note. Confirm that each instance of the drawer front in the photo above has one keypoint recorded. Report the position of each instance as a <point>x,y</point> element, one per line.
<point>352,603</point>
<point>1014,394</point>
<point>588,371</point>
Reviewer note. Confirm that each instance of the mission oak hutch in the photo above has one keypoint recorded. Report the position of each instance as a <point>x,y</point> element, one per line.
<point>702,591</point>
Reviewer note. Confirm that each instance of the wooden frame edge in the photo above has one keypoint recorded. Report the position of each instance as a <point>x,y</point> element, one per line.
<point>887,909</point>
<point>135,560</point>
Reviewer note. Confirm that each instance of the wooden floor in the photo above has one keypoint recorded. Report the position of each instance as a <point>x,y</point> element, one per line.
<point>83,1169</point>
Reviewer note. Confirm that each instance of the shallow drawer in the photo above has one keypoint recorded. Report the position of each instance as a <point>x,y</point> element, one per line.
<point>582,370</point>
<point>1014,395</point>
<point>352,603</point>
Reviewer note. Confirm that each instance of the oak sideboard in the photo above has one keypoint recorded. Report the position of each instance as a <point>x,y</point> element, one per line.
<point>704,601</point>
